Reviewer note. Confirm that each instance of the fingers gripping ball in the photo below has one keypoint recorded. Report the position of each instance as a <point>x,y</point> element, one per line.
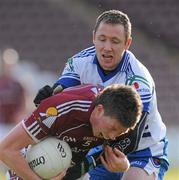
<point>49,157</point>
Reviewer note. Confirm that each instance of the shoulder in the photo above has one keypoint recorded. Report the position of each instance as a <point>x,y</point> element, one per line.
<point>84,91</point>
<point>81,60</point>
<point>136,67</point>
<point>90,51</point>
<point>138,76</point>
<point>81,92</point>
<point>85,56</point>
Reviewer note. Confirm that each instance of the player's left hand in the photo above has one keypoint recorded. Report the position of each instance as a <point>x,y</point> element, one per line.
<point>114,160</point>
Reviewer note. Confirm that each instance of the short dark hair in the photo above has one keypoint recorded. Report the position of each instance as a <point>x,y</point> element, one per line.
<point>115,17</point>
<point>121,102</point>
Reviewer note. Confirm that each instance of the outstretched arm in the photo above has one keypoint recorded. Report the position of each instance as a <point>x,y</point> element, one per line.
<point>10,154</point>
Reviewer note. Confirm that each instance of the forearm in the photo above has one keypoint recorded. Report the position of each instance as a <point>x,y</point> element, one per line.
<point>10,152</point>
<point>15,161</point>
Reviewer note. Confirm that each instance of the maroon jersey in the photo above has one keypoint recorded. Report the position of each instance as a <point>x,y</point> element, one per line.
<point>66,116</point>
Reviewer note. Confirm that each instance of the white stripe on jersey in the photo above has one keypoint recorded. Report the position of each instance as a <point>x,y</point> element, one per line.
<point>73,105</point>
<point>73,74</point>
<point>83,102</point>
<point>33,137</point>
<point>86,52</point>
<point>34,128</point>
<point>73,109</point>
<point>125,63</point>
<point>65,76</point>
<point>34,124</point>
<point>37,132</point>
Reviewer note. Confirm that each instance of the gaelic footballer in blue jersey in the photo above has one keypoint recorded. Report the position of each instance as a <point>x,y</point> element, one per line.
<point>107,62</point>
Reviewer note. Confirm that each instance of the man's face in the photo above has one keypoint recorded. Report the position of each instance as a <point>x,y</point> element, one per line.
<point>110,43</point>
<point>104,126</point>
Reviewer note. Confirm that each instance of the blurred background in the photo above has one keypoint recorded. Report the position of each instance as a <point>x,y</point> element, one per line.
<point>38,36</point>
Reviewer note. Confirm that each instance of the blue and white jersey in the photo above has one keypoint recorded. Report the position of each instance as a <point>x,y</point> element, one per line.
<point>83,68</point>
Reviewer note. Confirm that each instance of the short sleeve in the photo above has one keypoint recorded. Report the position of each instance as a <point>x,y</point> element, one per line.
<point>70,76</point>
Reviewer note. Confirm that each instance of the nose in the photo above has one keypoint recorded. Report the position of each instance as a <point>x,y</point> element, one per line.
<point>107,46</point>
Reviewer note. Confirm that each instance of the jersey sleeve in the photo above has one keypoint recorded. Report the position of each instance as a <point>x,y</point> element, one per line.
<point>144,87</point>
<point>49,117</point>
<point>70,76</point>
<point>41,122</point>
<point>60,112</point>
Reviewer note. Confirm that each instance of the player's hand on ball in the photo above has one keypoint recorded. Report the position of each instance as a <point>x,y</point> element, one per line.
<point>60,176</point>
<point>114,160</point>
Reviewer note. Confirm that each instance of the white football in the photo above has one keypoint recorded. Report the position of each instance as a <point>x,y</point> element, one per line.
<point>49,157</point>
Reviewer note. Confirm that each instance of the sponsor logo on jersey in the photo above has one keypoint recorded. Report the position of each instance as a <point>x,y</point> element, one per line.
<point>69,139</point>
<point>123,144</point>
<point>138,82</point>
<point>138,163</point>
<point>141,85</point>
<point>87,138</point>
<point>79,150</point>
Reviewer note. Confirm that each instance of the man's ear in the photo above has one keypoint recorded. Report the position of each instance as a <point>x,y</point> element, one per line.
<point>100,108</point>
<point>128,43</point>
<point>94,37</point>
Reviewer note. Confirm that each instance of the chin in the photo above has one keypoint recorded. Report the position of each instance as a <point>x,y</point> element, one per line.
<point>107,68</point>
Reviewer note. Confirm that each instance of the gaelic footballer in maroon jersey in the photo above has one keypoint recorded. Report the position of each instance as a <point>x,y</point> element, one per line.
<point>84,117</point>
<point>67,116</point>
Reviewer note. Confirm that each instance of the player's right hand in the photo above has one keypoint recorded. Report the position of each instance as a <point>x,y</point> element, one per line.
<point>43,93</point>
<point>114,160</point>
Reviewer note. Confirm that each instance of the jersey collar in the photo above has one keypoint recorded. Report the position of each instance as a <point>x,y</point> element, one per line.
<point>122,67</point>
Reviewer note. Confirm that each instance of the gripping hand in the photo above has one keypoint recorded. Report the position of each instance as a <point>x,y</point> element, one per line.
<point>43,93</point>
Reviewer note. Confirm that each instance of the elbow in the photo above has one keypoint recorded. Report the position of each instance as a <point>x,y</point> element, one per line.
<point>4,153</point>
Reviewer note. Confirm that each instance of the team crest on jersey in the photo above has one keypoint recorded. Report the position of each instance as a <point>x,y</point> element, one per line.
<point>69,65</point>
<point>139,83</point>
<point>49,116</point>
